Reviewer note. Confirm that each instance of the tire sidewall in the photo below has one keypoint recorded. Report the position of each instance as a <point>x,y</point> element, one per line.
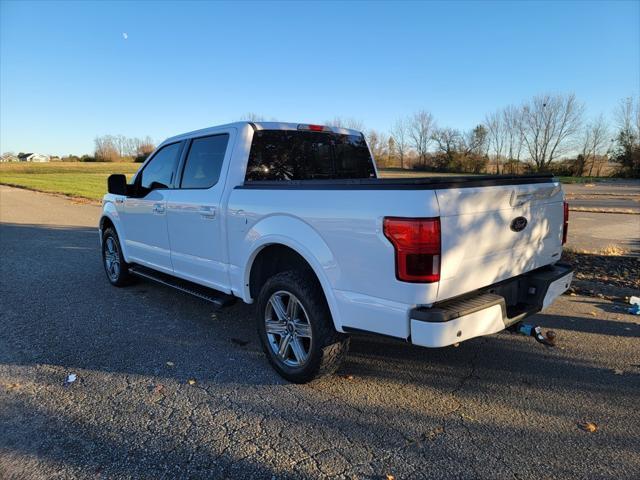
<point>122,276</point>
<point>317,312</point>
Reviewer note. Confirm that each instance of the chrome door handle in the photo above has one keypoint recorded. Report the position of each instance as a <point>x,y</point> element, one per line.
<point>208,212</point>
<point>158,208</point>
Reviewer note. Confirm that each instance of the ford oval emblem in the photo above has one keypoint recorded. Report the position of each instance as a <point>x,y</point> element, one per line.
<point>518,224</point>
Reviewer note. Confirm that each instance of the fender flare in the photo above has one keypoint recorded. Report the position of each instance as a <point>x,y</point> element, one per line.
<point>110,212</point>
<point>314,251</point>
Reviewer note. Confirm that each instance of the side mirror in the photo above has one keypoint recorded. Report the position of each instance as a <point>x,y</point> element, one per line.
<point>117,184</point>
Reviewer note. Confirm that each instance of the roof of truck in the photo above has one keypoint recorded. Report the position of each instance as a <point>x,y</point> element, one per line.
<point>257,126</point>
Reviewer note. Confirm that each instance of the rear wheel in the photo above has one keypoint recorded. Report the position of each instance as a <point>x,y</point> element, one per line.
<point>115,267</point>
<point>296,330</point>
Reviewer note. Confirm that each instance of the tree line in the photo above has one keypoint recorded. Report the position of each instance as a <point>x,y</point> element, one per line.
<point>119,148</point>
<point>545,133</point>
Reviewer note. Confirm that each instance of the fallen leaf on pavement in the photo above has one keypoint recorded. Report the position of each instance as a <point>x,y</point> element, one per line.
<point>588,426</point>
<point>170,364</point>
<point>593,313</point>
<point>159,389</point>
<point>390,477</point>
<point>192,381</point>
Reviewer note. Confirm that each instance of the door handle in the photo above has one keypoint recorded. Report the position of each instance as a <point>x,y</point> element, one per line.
<point>158,208</point>
<point>208,212</point>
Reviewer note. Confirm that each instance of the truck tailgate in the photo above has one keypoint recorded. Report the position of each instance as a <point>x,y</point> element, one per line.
<point>492,233</point>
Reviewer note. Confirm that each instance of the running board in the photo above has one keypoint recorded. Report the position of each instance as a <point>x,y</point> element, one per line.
<point>210,295</point>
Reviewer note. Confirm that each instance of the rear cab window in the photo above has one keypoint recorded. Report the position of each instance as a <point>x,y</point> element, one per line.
<point>305,155</point>
<point>204,161</point>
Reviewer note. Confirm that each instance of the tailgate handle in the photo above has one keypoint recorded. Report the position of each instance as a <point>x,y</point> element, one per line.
<point>518,199</point>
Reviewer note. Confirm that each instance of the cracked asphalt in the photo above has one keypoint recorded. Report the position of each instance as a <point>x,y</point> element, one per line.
<point>496,407</point>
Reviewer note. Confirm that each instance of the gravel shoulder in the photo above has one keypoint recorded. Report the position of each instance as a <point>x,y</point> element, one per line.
<point>496,407</point>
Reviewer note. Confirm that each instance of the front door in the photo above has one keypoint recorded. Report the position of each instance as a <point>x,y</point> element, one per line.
<point>145,215</point>
<point>194,215</point>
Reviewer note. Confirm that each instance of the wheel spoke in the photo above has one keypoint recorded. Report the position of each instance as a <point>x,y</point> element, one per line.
<point>292,308</point>
<point>284,345</point>
<point>298,350</point>
<point>278,307</point>
<point>110,246</point>
<point>274,326</point>
<point>303,329</point>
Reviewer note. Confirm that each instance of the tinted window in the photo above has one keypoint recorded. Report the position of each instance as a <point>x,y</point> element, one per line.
<point>298,155</point>
<point>158,173</point>
<point>204,162</point>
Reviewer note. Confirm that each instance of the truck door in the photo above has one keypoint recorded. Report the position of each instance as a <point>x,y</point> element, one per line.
<point>194,214</point>
<point>145,218</point>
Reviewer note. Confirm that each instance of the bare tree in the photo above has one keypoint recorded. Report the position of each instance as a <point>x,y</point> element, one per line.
<point>595,141</point>
<point>400,135</point>
<point>378,143</point>
<point>497,133</point>
<point>449,142</point>
<point>421,133</point>
<point>549,123</point>
<point>115,148</point>
<point>627,152</point>
<point>475,141</point>
<point>351,123</point>
<point>511,117</point>
<point>106,149</point>
<point>252,117</point>
<point>627,116</point>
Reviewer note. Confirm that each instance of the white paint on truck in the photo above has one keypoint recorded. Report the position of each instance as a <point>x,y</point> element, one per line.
<point>211,236</point>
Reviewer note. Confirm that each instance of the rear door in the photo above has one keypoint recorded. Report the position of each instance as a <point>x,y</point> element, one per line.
<point>194,214</point>
<point>493,233</point>
<point>145,219</point>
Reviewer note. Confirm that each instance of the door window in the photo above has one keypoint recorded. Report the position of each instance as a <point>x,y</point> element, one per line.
<point>159,172</point>
<point>204,162</point>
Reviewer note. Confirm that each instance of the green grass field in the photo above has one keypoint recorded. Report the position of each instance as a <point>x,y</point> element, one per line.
<point>89,180</point>
<point>76,179</point>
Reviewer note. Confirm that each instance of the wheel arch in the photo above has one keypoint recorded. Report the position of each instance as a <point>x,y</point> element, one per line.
<point>272,253</point>
<point>110,218</point>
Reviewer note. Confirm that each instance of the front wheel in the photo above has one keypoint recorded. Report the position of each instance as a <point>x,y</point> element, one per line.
<point>115,267</point>
<point>296,330</point>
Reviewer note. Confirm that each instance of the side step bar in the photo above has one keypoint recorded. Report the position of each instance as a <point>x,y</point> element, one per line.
<point>210,295</point>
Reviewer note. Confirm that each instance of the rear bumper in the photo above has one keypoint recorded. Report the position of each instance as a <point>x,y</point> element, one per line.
<point>489,310</point>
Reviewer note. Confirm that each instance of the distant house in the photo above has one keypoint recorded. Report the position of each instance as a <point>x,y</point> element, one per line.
<point>33,157</point>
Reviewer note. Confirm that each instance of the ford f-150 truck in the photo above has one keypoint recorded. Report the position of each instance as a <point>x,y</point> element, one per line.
<point>293,218</point>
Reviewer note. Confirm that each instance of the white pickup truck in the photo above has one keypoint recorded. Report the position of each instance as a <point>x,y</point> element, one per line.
<point>292,217</point>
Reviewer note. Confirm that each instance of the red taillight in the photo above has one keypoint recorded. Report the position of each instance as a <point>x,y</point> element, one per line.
<point>314,128</point>
<point>417,245</point>
<point>565,224</point>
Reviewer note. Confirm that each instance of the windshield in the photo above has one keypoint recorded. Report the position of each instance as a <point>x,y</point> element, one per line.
<point>303,155</point>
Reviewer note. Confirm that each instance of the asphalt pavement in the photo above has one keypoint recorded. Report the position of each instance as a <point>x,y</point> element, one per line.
<point>501,406</point>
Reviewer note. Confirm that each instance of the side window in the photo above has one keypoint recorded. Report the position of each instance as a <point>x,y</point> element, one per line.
<point>204,162</point>
<point>158,173</point>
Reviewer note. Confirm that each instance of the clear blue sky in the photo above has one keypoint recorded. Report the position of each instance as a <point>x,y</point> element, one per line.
<point>68,74</point>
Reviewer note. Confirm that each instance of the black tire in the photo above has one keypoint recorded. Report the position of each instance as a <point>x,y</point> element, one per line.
<point>119,276</point>
<point>327,346</point>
